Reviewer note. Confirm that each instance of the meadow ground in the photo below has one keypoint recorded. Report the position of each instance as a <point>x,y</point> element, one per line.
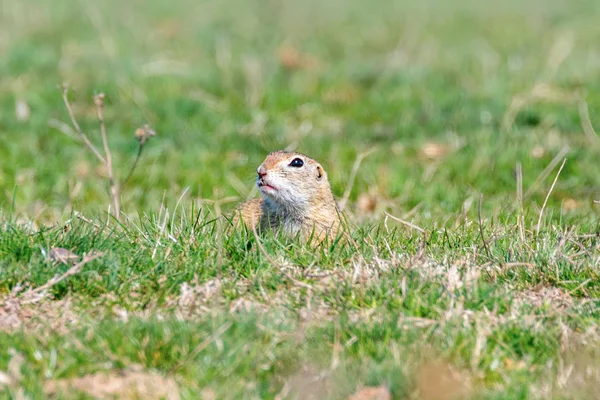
<point>461,114</point>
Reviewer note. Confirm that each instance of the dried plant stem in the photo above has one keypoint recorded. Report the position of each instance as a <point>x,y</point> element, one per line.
<point>142,134</point>
<point>137,158</point>
<point>114,185</point>
<point>86,220</point>
<point>539,223</point>
<point>81,134</point>
<point>71,271</point>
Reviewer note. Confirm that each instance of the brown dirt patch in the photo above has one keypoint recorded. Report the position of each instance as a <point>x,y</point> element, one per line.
<point>128,384</point>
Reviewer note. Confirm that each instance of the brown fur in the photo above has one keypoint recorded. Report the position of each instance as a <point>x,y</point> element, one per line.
<point>299,201</point>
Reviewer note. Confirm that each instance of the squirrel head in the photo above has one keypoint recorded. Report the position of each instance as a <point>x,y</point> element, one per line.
<point>292,180</point>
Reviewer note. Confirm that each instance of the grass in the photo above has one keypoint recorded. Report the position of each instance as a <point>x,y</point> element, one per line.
<point>452,98</point>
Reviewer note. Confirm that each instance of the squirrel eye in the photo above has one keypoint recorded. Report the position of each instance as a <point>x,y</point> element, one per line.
<point>297,163</point>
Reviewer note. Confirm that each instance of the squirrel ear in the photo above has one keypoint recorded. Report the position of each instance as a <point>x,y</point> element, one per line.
<point>320,172</point>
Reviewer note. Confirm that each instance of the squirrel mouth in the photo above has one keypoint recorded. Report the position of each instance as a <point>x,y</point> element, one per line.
<point>265,187</point>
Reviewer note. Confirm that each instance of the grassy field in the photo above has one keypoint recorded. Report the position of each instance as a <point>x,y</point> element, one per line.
<point>474,121</point>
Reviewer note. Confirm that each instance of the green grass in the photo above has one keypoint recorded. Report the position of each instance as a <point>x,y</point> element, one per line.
<point>477,310</point>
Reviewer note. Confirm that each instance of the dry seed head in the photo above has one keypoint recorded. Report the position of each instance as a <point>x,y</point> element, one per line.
<point>144,133</point>
<point>99,100</point>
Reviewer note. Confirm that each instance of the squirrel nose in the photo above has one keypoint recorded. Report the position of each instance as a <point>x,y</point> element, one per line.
<point>262,171</point>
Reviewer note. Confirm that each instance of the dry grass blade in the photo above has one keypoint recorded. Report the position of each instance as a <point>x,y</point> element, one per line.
<point>586,122</point>
<point>519,264</point>
<point>11,306</point>
<point>416,321</point>
<point>161,231</point>
<point>59,278</point>
<point>296,282</point>
<point>539,223</point>
<point>581,285</point>
<point>413,226</point>
<point>563,152</point>
<point>352,177</point>
<point>86,220</point>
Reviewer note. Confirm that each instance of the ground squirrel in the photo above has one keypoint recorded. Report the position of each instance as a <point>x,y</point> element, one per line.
<point>296,199</point>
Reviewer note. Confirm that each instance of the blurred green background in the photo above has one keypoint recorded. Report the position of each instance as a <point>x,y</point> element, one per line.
<point>427,84</point>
